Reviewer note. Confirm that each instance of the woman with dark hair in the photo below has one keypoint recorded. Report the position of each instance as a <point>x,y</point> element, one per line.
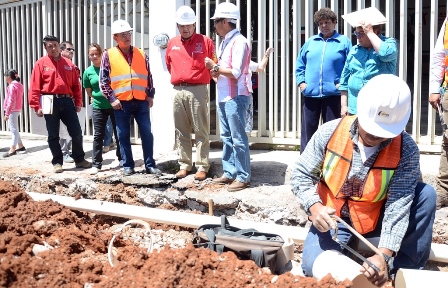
<point>102,109</point>
<point>318,73</point>
<point>13,106</point>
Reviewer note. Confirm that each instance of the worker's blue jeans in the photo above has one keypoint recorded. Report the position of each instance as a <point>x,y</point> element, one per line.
<point>140,110</point>
<point>415,247</point>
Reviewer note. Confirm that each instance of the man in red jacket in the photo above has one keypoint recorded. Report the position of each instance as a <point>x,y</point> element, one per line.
<point>185,60</point>
<point>57,77</point>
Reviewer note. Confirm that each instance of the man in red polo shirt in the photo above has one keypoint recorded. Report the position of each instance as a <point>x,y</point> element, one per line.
<point>57,76</point>
<point>185,60</point>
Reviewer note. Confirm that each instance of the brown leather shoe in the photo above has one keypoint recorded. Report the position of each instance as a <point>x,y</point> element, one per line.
<point>222,180</point>
<point>200,175</point>
<point>237,186</point>
<point>182,173</point>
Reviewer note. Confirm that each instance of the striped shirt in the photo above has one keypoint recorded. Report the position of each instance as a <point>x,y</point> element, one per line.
<point>234,53</point>
<point>308,169</point>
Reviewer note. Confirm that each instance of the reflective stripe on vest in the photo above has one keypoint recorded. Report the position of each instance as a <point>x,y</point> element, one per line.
<point>364,210</point>
<point>445,46</point>
<point>128,81</point>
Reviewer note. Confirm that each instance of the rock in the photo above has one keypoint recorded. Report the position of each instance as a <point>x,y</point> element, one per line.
<point>37,248</point>
<point>45,226</point>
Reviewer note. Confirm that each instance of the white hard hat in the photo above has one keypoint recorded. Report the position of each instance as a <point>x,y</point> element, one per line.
<point>185,16</point>
<point>120,26</point>
<point>227,10</point>
<point>384,106</point>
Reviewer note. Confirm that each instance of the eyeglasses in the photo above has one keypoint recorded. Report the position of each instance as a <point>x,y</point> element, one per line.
<point>125,34</point>
<point>218,20</point>
<point>70,49</point>
<point>358,34</point>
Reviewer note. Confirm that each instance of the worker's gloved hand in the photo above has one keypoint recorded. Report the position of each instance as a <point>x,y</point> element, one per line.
<point>320,216</point>
<point>377,279</point>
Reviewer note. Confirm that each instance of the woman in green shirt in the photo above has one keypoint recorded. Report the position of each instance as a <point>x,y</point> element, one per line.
<point>102,109</point>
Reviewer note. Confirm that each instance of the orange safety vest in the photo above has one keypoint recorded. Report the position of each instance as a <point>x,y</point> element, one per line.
<point>445,46</point>
<point>364,210</point>
<point>128,81</point>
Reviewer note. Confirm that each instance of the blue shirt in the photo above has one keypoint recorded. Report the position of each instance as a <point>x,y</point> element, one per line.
<point>320,63</point>
<point>363,64</point>
<point>308,171</point>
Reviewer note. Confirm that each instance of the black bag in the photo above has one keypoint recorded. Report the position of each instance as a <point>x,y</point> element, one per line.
<point>245,243</point>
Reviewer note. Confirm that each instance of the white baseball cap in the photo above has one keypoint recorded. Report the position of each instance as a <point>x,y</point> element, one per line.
<point>384,106</point>
<point>120,26</point>
<point>226,10</point>
<point>185,16</point>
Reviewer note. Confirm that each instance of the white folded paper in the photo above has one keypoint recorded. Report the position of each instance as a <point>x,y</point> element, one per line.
<point>371,15</point>
<point>46,102</point>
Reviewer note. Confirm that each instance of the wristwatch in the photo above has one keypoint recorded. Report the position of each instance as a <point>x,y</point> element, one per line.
<point>216,68</point>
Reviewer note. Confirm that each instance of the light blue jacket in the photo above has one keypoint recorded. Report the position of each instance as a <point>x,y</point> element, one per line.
<point>363,64</point>
<point>320,63</point>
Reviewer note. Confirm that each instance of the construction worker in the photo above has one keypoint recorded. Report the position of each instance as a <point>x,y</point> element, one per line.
<point>365,169</point>
<point>126,80</point>
<point>184,58</point>
<point>439,75</point>
<point>232,74</point>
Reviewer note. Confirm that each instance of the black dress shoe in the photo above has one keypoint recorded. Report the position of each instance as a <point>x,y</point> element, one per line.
<point>153,170</point>
<point>128,171</point>
<point>21,149</point>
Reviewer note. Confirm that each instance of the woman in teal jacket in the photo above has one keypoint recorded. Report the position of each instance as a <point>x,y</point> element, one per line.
<point>373,55</point>
<point>318,70</point>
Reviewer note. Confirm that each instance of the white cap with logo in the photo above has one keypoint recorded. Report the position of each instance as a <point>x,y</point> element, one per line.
<point>226,10</point>
<point>120,26</point>
<point>185,16</point>
<point>384,106</point>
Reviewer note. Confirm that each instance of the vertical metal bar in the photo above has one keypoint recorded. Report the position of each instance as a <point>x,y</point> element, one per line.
<point>360,4</point>
<point>308,19</point>
<point>198,19</point>
<point>134,22</point>
<point>283,43</point>
<point>320,4</point>
<point>4,12</point>
<point>433,38</point>
<point>142,24</point>
<point>347,27</point>
<point>238,23</point>
<point>416,117</point>
<point>376,3</point>
<point>105,21</point>
<point>126,10</point>
<point>261,24</point>
<point>403,55</point>
<point>390,25</point>
<point>27,67</point>
<point>287,68</point>
<point>20,63</point>
<point>334,4</point>
<point>273,103</point>
<point>296,40</point>
<point>207,17</point>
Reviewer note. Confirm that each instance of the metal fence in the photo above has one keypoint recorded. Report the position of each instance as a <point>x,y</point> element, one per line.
<point>281,24</point>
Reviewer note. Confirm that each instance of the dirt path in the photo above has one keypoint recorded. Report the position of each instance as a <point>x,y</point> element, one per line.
<point>78,254</point>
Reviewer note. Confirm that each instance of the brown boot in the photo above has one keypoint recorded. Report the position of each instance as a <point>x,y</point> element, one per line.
<point>182,173</point>
<point>442,200</point>
<point>200,175</point>
<point>222,180</point>
<point>237,186</point>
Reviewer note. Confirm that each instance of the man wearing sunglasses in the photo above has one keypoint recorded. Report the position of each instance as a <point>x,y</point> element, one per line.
<point>232,74</point>
<point>365,169</point>
<point>374,54</point>
<point>67,51</point>
<point>126,80</point>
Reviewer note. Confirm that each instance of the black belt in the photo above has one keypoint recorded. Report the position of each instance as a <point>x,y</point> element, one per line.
<point>62,96</point>
<point>185,84</point>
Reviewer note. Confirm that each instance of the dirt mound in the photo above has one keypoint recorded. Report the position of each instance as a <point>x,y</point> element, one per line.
<point>76,254</point>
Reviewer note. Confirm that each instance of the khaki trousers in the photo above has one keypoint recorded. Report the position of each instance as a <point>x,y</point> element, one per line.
<point>191,115</point>
<point>442,178</point>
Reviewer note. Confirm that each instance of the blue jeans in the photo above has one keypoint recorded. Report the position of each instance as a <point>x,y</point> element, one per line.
<point>330,109</point>
<point>108,133</point>
<point>236,155</point>
<point>140,110</point>
<point>64,110</point>
<point>416,244</point>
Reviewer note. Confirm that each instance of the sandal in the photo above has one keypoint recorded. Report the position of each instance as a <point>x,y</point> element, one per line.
<point>7,154</point>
